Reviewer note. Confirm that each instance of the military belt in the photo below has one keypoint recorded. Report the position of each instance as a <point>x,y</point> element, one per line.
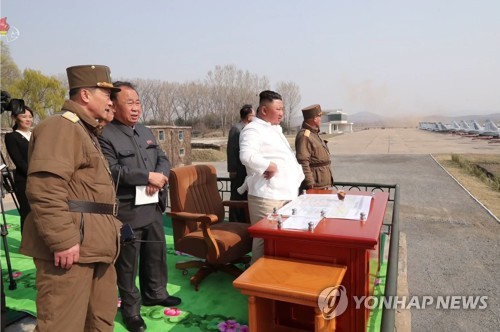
<point>321,188</point>
<point>325,163</point>
<point>93,207</point>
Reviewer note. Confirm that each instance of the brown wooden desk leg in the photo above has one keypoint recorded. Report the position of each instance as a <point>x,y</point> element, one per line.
<point>321,324</point>
<point>260,314</point>
<point>252,314</point>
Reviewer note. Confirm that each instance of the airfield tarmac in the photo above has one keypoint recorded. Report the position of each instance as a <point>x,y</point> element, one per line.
<point>407,141</point>
<point>449,242</point>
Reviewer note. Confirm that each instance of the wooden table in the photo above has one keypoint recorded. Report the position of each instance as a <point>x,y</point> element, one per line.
<point>333,241</point>
<point>270,280</point>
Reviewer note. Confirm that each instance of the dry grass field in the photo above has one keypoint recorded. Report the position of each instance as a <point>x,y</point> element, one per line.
<point>208,155</point>
<point>464,167</point>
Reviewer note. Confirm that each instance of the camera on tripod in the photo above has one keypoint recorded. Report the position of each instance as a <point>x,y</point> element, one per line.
<point>16,106</point>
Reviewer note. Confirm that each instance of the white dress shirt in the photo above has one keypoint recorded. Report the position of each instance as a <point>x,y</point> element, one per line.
<point>260,144</point>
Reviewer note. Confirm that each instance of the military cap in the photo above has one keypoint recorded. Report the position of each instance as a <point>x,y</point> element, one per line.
<point>90,76</point>
<point>312,111</point>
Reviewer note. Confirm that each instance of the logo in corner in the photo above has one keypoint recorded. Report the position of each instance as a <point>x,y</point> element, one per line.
<point>4,26</point>
<point>332,302</point>
<point>11,33</point>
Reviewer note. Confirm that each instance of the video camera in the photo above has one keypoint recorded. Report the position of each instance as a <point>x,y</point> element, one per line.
<point>16,106</point>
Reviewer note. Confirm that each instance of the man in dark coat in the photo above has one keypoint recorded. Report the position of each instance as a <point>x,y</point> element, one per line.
<point>237,171</point>
<point>312,152</point>
<point>141,169</point>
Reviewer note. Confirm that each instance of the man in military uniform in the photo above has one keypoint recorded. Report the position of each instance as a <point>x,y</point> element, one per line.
<point>312,152</point>
<point>72,232</point>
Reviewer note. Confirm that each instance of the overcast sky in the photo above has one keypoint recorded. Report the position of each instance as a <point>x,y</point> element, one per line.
<point>387,57</point>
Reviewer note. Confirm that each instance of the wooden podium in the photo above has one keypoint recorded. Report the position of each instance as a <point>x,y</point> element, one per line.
<point>270,281</point>
<point>336,242</point>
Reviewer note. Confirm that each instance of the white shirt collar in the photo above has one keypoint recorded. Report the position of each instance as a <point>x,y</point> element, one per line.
<point>26,135</point>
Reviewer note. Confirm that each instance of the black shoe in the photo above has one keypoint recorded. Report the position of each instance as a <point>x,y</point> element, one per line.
<point>135,323</point>
<point>170,301</point>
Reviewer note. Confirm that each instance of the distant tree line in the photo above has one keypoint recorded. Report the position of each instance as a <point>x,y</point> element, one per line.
<point>209,104</point>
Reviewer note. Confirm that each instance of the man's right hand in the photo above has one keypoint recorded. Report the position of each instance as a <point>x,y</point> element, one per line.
<point>270,171</point>
<point>157,179</point>
<point>68,257</point>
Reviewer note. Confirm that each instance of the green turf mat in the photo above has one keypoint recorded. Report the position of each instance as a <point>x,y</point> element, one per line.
<point>216,302</point>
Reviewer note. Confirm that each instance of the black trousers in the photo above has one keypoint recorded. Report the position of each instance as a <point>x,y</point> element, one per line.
<point>24,206</point>
<point>149,260</point>
<point>237,215</point>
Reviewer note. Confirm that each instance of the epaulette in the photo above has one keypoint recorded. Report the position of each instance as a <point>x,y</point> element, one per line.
<point>71,116</point>
<point>307,132</point>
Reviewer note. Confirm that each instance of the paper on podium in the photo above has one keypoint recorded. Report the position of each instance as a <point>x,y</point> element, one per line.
<point>141,198</point>
<point>314,204</point>
<point>300,222</point>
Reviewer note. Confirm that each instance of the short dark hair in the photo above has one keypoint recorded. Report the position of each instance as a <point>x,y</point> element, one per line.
<point>268,96</point>
<point>76,91</point>
<point>26,109</point>
<point>245,110</point>
<point>73,92</point>
<point>119,84</point>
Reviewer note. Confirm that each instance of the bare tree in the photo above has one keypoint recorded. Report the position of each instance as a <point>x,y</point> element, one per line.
<point>157,99</point>
<point>146,89</point>
<point>291,99</point>
<point>189,101</point>
<point>230,88</point>
<point>221,81</point>
<point>166,103</point>
<point>155,96</point>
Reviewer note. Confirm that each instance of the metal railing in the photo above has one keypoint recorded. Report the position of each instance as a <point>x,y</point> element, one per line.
<point>391,227</point>
<point>224,185</point>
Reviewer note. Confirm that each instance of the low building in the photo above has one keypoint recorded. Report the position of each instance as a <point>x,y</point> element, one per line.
<point>335,122</point>
<point>176,142</point>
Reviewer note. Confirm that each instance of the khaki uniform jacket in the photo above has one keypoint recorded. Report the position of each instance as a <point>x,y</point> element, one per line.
<point>314,157</point>
<point>65,163</point>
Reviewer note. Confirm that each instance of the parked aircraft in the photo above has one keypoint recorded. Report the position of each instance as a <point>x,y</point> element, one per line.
<point>464,127</point>
<point>443,128</point>
<point>490,129</point>
<point>455,126</point>
<point>476,128</point>
<point>431,126</point>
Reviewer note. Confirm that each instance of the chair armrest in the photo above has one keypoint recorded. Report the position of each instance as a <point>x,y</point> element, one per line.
<point>205,221</point>
<point>188,216</point>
